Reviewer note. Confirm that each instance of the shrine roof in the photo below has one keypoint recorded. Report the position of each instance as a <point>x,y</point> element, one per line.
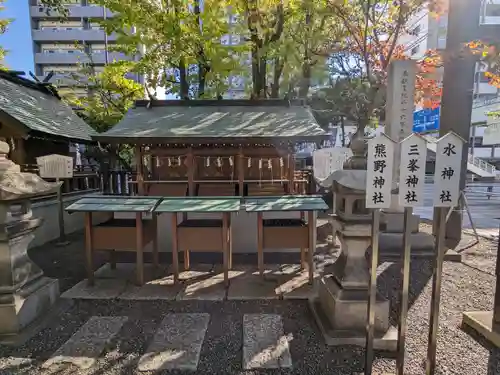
<point>215,121</point>
<point>36,107</point>
<point>286,203</point>
<point>199,204</point>
<point>108,203</point>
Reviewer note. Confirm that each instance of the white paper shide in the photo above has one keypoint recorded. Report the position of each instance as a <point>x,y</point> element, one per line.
<point>412,171</point>
<point>447,175</point>
<point>379,172</point>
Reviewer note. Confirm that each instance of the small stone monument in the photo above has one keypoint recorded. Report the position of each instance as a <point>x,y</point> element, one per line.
<point>24,292</point>
<point>342,303</point>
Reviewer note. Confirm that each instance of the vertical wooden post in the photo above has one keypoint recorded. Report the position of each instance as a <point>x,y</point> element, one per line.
<point>311,223</point>
<point>303,251</point>
<point>175,250</point>
<point>139,243</point>
<point>156,260</point>
<point>140,170</point>
<point>496,304</point>
<point>89,248</point>
<point>191,165</point>
<point>241,171</point>
<point>260,243</point>
<point>291,171</point>
<point>225,246</point>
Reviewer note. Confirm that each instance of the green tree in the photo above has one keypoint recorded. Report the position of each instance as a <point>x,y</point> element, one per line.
<point>177,43</point>
<point>4,23</point>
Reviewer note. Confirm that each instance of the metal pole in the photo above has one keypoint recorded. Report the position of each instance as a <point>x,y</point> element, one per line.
<point>106,55</point>
<point>62,232</point>
<point>372,296</point>
<point>400,359</point>
<point>436,291</point>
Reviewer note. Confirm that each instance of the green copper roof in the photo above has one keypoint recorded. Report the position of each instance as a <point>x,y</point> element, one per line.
<point>191,121</point>
<point>199,204</point>
<point>286,203</point>
<point>24,104</point>
<point>114,204</point>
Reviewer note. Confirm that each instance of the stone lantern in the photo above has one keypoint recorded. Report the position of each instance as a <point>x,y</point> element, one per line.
<point>342,303</point>
<point>24,292</point>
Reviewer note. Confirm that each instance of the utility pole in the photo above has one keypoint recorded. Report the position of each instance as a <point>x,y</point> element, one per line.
<point>458,89</point>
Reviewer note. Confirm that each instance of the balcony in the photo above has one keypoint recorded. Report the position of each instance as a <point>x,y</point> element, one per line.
<point>76,11</point>
<point>70,35</point>
<point>77,57</point>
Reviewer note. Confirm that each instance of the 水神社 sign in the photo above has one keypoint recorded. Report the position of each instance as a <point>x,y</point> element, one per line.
<point>447,174</point>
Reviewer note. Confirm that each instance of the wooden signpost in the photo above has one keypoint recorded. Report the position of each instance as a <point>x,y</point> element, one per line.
<point>57,167</point>
<point>413,151</point>
<point>446,194</point>
<point>379,170</point>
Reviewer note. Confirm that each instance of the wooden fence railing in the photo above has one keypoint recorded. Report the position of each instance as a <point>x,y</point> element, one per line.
<point>89,179</point>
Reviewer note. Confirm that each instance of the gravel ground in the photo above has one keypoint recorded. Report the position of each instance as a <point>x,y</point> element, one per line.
<point>467,286</point>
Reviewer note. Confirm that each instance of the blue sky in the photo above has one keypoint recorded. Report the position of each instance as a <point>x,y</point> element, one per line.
<point>17,40</point>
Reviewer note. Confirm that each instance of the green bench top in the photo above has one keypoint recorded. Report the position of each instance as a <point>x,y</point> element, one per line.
<point>199,204</point>
<point>286,203</point>
<point>109,203</point>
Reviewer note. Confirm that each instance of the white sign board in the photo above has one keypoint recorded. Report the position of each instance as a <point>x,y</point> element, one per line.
<point>328,160</point>
<point>412,171</point>
<point>447,175</point>
<point>379,172</point>
<point>55,166</point>
<point>400,103</point>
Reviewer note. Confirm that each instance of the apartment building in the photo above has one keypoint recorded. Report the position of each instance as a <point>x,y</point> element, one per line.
<point>55,41</point>
<point>427,32</point>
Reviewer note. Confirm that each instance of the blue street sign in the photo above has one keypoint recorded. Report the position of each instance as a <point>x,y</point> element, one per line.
<point>426,120</point>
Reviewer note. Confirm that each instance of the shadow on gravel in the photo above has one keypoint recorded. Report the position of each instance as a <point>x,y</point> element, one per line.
<point>494,352</point>
<point>389,284</point>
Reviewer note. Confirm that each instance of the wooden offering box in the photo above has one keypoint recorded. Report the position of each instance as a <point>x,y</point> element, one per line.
<point>200,234</point>
<point>287,233</point>
<point>119,234</point>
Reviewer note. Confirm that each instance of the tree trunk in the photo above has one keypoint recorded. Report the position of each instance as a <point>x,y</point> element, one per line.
<point>279,64</point>
<point>306,79</point>
<point>184,94</point>
<point>342,129</point>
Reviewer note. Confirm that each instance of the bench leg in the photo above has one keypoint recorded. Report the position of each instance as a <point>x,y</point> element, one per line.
<point>260,244</point>
<point>112,259</point>
<point>156,258</point>
<point>175,254</point>
<point>89,264</point>
<point>139,249</point>
<point>186,260</point>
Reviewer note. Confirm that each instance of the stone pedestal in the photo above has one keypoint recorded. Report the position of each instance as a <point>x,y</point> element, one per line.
<point>342,303</point>
<point>25,294</point>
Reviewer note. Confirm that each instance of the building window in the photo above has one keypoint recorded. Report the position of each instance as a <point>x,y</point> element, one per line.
<point>415,31</point>
<point>492,10</point>
<point>414,50</point>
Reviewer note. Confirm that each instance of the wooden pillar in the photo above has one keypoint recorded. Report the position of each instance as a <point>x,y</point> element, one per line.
<point>89,248</point>
<point>191,165</point>
<point>260,243</point>
<point>140,170</point>
<point>225,246</point>
<point>139,248</point>
<point>175,250</point>
<point>291,173</point>
<point>241,171</point>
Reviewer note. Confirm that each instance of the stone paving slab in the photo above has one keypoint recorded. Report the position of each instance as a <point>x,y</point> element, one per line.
<point>87,344</point>
<point>208,289</point>
<point>176,344</point>
<point>264,344</point>
<point>297,287</point>
<point>127,271</point>
<point>251,288</point>
<point>102,289</point>
<point>149,292</point>
<point>196,271</point>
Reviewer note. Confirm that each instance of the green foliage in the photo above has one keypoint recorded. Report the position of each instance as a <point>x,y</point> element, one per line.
<point>4,23</point>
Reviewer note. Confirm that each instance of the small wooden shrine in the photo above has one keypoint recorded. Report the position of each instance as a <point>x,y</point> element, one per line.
<point>36,121</point>
<point>215,147</point>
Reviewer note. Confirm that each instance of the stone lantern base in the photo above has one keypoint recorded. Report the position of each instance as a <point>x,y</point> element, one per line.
<point>341,317</point>
<point>31,293</point>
